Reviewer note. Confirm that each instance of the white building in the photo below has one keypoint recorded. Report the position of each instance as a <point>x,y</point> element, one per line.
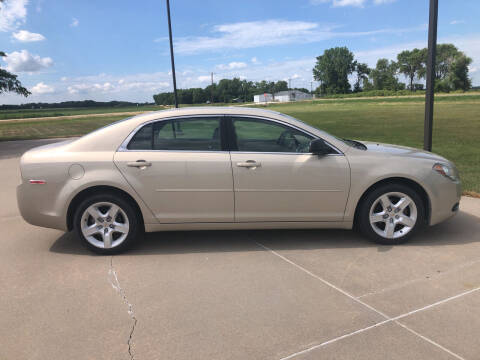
<point>263,98</point>
<point>291,95</point>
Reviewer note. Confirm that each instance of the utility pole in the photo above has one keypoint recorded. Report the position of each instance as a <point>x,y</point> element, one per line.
<point>311,87</point>
<point>289,87</point>
<point>211,90</point>
<point>431,61</point>
<point>171,54</point>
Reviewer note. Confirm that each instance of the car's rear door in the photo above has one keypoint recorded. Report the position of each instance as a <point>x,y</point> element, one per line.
<point>181,170</point>
<point>277,179</point>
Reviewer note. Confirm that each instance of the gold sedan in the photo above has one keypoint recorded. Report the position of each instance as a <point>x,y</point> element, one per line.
<point>230,168</point>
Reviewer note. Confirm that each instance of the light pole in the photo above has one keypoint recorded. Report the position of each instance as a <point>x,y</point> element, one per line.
<point>171,54</point>
<point>431,61</point>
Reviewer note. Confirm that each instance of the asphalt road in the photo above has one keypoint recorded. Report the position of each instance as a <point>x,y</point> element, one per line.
<point>319,294</point>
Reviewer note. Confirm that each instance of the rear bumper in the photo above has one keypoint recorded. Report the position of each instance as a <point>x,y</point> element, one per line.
<point>36,207</point>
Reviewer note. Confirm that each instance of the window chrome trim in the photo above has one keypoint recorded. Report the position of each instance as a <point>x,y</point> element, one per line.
<point>124,144</point>
<point>339,153</point>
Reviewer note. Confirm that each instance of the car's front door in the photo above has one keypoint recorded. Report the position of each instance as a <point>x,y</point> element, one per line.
<point>180,169</point>
<point>277,179</point>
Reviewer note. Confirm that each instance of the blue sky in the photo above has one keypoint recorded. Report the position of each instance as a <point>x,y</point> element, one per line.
<point>118,50</point>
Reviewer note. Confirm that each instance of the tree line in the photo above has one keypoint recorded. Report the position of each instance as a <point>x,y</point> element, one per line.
<point>226,91</point>
<point>72,104</point>
<point>336,65</point>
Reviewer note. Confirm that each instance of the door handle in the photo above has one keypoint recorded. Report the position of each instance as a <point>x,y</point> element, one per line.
<point>251,164</point>
<point>142,164</point>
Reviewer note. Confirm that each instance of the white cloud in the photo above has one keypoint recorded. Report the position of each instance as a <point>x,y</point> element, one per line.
<point>87,88</point>
<point>267,33</point>
<point>456,22</point>
<point>231,66</point>
<point>254,60</point>
<point>42,88</point>
<point>23,61</point>
<point>27,36</point>
<point>64,78</point>
<point>204,78</point>
<point>74,22</point>
<point>12,14</point>
<point>115,87</point>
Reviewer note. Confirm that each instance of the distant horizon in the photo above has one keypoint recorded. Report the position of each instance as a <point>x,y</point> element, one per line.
<point>118,51</point>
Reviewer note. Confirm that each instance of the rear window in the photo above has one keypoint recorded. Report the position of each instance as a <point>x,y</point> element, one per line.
<point>142,140</point>
<point>194,134</point>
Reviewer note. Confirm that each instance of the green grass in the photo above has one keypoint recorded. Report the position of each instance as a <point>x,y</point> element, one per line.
<point>399,121</point>
<point>456,133</point>
<point>21,130</point>
<point>36,113</point>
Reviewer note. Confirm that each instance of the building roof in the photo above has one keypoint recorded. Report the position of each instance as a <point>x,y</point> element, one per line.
<point>286,92</point>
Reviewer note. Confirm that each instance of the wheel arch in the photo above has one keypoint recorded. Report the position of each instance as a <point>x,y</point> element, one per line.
<point>85,193</point>
<point>397,180</point>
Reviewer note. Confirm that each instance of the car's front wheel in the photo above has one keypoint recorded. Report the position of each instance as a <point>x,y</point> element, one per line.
<point>391,214</point>
<point>106,223</point>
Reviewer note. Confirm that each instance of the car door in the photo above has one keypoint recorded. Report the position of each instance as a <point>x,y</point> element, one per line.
<point>277,179</point>
<point>180,169</point>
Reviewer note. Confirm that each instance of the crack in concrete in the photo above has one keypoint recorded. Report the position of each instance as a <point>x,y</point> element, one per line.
<point>113,279</point>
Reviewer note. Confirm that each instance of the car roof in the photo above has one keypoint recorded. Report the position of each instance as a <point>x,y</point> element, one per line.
<point>111,136</point>
<point>213,110</point>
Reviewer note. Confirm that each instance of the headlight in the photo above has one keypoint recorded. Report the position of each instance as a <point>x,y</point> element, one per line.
<point>446,170</point>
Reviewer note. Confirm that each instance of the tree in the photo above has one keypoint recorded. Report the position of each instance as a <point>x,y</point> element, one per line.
<point>451,69</point>
<point>458,73</point>
<point>412,64</point>
<point>446,55</point>
<point>9,82</point>
<point>362,71</point>
<point>280,85</point>
<point>333,68</point>
<point>385,76</point>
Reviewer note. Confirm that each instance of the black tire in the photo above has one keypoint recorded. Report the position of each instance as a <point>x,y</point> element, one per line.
<point>363,215</point>
<point>135,230</point>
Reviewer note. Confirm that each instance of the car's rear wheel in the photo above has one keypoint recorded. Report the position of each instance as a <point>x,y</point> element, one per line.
<point>106,223</point>
<point>391,214</point>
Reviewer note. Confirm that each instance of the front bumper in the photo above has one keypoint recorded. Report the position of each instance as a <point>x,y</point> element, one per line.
<point>445,199</point>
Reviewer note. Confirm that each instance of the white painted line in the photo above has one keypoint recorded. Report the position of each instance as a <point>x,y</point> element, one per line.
<point>324,281</point>
<point>331,341</point>
<point>435,304</point>
<point>430,341</point>
<point>409,282</point>
<point>388,319</point>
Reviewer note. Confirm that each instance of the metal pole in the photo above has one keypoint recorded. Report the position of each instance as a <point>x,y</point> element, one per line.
<point>171,54</point>
<point>431,61</point>
<point>211,91</point>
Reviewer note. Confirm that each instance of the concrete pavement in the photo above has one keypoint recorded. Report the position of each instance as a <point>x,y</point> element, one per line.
<point>316,294</point>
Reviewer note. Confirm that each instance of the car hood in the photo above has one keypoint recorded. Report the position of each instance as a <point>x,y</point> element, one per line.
<point>404,151</point>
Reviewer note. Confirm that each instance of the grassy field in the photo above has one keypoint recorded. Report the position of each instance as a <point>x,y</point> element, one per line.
<point>395,120</point>
<point>37,113</point>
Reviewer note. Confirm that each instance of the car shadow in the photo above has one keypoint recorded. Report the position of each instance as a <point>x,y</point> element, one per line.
<point>462,229</point>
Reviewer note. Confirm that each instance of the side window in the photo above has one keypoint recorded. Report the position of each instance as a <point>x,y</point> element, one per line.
<point>195,134</point>
<point>142,140</point>
<point>258,135</point>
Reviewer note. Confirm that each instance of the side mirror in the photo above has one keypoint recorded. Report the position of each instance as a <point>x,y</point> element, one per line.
<point>319,147</point>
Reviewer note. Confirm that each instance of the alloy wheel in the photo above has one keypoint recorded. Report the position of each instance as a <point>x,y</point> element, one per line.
<point>393,215</point>
<point>104,225</point>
